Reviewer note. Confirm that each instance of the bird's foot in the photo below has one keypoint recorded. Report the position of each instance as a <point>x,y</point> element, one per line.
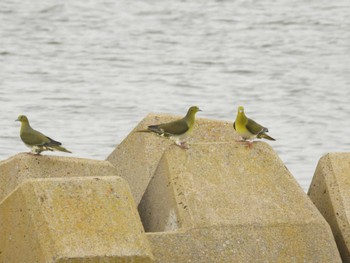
<point>250,144</point>
<point>182,145</point>
<point>246,143</point>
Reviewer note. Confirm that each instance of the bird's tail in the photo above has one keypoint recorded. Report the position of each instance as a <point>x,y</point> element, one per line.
<point>153,128</point>
<point>60,148</point>
<point>265,136</point>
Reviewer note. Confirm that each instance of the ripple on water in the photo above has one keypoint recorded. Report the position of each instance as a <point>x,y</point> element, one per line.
<point>80,62</point>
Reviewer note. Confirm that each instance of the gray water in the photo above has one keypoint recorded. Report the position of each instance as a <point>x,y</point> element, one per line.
<point>86,72</point>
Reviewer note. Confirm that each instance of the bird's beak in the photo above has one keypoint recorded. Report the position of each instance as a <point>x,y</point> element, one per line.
<point>199,110</point>
<point>16,120</point>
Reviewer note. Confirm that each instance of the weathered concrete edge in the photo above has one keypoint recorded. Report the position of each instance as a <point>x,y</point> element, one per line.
<point>324,192</point>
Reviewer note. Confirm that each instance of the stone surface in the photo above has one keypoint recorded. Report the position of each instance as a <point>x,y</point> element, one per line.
<point>330,192</point>
<point>80,219</point>
<point>224,202</point>
<point>137,156</point>
<point>24,166</point>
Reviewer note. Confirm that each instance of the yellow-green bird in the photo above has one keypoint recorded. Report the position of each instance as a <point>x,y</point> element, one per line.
<point>176,130</point>
<point>249,129</point>
<point>37,141</point>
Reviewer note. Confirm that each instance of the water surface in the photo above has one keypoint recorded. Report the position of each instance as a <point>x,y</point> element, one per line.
<point>86,72</point>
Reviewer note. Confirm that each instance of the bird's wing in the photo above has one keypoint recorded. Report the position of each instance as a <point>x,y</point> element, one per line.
<point>254,127</point>
<point>53,142</point>
<point>34,137</point>
<point>170,128</point>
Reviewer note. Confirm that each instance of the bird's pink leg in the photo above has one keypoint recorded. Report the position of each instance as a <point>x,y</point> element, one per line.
<point>247,143</point>
<point>182,145</point>
<point>250,144</point>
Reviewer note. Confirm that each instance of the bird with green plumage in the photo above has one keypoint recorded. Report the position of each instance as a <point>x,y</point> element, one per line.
<point>177,130</point>
<point>249,129</point>
<point>37,141</point>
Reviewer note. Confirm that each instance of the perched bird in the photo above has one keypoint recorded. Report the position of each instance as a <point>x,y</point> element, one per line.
<point>176,130</point>
<point>37,141</point>
<point>249,129</point>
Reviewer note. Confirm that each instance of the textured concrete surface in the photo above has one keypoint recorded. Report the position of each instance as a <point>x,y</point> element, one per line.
<point>224,202</point>
<point>218,201</point>
<point>80,219</point>
<point>137,156</point>
<point>24,166</point>
<point>330,192</point>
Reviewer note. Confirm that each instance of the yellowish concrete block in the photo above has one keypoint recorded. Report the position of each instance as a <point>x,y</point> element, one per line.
<point>24,166</point>
<point>80,219</point>
<point>224,202</point>
<point>330,192</point>
<point>137,156</point>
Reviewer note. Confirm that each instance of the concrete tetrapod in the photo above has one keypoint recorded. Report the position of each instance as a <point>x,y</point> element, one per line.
<point>23,166</point>
<point>75,214</point>
<point>137,156</point>
<point>224,202</point>
<point>329,190</point>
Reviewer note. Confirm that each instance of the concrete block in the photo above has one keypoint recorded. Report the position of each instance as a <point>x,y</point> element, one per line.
<point>24,166</point>
<point>329,190</point>
<point>80,219</point>
<point>137,156</point>
<point>224,202</point>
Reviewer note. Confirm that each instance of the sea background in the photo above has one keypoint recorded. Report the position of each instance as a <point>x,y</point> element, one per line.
<point>86,72</point>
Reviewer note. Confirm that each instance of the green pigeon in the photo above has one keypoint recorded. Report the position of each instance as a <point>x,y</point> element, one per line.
<point>37,141</point>
<point>176,130</point>
<point>249,129</point>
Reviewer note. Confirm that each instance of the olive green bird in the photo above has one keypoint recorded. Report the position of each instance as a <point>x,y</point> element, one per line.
<point>37,141</point>
<point>249,129</point>
<point>176,130</point>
